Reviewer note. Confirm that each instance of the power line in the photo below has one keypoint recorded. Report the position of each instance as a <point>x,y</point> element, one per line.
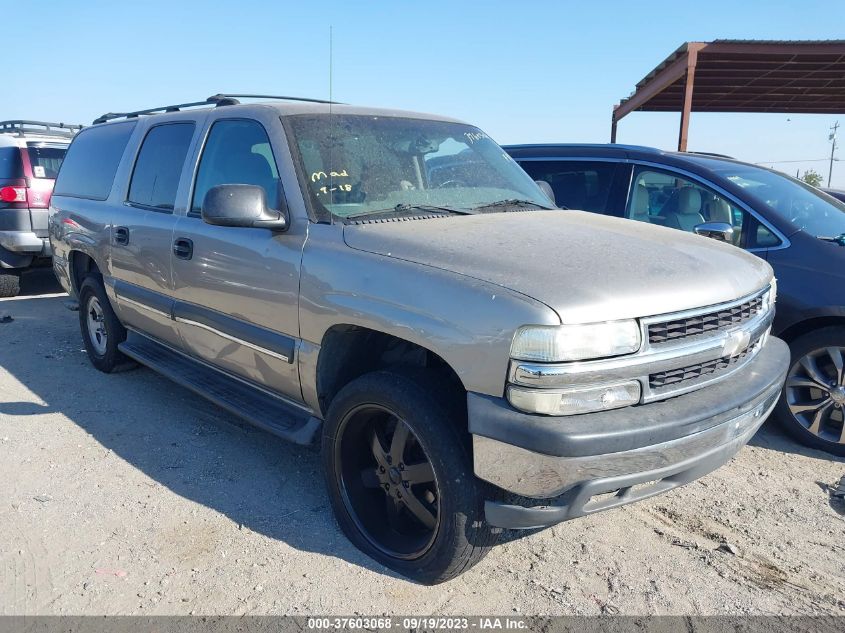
<point>808,160</point>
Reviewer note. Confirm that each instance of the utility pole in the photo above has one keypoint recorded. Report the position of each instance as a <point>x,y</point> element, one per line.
<point>832,139</point>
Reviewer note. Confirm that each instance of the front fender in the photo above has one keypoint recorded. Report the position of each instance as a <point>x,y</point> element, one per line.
<point>469,323</point>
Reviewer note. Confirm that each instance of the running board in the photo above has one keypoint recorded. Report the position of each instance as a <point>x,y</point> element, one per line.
<point>250,403</point>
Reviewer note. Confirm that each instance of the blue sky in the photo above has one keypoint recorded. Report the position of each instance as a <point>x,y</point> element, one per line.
<point>525,71</point>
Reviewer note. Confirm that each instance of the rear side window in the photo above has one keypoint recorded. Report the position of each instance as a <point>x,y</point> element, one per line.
<point>45,160</point>
<point>92,160</point>
<point>577,185</point>
<point>10,163</point>
<point>158,168</point>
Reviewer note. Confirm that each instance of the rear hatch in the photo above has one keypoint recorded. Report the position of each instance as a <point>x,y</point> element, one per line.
<point>41,162</point>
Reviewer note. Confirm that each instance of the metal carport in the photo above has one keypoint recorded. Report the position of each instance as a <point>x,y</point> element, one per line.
<point>742,76</point>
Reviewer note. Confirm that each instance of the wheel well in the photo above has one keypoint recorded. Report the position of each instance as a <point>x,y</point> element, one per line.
<point>80,266</point>
<point>803,327</point>
<point>348,352</point>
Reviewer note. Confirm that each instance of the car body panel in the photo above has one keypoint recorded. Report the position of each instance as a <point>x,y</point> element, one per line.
<point>551,257</point>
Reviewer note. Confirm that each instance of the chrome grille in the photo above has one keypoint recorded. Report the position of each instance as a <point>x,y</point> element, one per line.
<point>722,319</point>
<point>709,369</point>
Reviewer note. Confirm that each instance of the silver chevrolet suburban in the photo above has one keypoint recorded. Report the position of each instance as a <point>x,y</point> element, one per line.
<point>393,285</point>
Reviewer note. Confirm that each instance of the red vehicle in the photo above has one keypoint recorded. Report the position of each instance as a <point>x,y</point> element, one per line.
<point>31,153</point>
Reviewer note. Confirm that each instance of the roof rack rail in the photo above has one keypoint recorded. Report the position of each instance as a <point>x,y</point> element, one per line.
<point>232,99</point>
<point>217,100</point>
<point>44,128</point>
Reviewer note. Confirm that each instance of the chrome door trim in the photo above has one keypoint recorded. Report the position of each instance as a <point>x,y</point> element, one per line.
<point>142,306</point>
<point>234,339</point>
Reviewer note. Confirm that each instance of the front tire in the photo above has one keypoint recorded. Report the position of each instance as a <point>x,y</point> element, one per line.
<point>399,473</point>
<point>10,282</point>
<point>812,405</point>
<point>101,330</point>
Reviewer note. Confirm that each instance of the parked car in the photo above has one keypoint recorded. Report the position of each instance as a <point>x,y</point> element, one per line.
<point>466,368</point>
<point>31,153</point>
<point>839,194</point>
<point>793,226</point>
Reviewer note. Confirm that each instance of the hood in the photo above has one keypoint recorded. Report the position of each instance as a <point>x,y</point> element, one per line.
<point>586,267</point>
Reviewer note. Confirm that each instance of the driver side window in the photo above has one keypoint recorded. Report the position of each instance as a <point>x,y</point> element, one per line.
<point>670,200</point>
<point>237,152</point>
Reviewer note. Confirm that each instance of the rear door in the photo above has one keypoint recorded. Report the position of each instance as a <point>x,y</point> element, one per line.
<point>142,232</point>
<point>237,289</point>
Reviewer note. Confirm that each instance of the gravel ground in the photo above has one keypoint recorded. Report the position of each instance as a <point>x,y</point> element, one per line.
<point>127,494</point>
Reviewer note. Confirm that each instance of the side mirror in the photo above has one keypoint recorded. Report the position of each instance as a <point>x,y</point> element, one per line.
<point>241,205</point>
<point>721,231</point>
<point>547,189</point>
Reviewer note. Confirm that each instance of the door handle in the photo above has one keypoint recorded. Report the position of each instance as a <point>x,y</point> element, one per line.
<point>183,248</point>
<point>121,235</point>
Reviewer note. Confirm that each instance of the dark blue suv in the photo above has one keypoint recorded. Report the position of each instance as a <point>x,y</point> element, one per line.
<point>798,229</point>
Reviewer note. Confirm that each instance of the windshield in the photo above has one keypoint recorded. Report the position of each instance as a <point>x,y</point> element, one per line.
<point>804,206</point>
<point>372,165</point>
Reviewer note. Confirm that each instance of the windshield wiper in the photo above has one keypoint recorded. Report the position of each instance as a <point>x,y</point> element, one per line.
<point>513,202</point>
<point>406,208</point>
<point>839,239</point>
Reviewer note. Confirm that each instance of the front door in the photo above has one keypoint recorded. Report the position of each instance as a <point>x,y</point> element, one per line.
<point>237,289</point>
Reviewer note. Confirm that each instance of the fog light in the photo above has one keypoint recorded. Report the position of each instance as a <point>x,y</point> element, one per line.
<point>575,400</point>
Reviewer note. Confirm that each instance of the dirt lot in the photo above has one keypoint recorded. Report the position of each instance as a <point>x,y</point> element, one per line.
<point>126,494</point>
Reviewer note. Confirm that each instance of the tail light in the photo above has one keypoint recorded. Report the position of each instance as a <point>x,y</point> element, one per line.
<point>13,194</point>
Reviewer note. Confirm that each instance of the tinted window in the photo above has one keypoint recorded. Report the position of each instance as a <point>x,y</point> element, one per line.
<point>158,167</point>
<point>237,152</point>
<point>577,185</point>
<point>92,160</point>
<point>10,163</point>
<point>44,160</point>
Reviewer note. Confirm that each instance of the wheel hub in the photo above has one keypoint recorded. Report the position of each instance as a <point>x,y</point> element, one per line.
<point>394,476</point>
<point>837,394</point>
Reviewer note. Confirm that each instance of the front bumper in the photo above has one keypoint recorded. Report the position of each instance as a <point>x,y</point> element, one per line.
<point>587,463</point>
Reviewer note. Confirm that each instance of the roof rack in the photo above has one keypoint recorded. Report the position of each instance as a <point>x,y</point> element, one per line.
<point>217,100</point>
<point>20,127</point>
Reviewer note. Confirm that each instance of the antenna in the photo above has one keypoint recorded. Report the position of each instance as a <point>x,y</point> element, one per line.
<point>331,125</point>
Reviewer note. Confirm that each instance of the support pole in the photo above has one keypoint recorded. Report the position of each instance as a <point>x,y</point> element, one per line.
<point>689,83</point>
<point>613,122</point>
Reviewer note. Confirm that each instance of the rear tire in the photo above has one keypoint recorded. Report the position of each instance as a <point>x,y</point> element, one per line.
<point>101,330</point>
<point>811,407</point>
<point>416,507</point>
<point>10,282</point>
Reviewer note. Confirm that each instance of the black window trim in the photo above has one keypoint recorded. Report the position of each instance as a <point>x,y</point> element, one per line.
<point>132,125</point>
<point>148,207</point>
<point>189,209</point>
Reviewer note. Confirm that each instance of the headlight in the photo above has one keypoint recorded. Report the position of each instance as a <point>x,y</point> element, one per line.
<point>575,400</point>
<point>551,344</point>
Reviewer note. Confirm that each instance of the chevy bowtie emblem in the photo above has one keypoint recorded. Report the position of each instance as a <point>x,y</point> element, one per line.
<point>736,342</point>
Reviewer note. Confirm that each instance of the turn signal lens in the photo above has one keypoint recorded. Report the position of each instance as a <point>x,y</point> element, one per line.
<point>576,400</point>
